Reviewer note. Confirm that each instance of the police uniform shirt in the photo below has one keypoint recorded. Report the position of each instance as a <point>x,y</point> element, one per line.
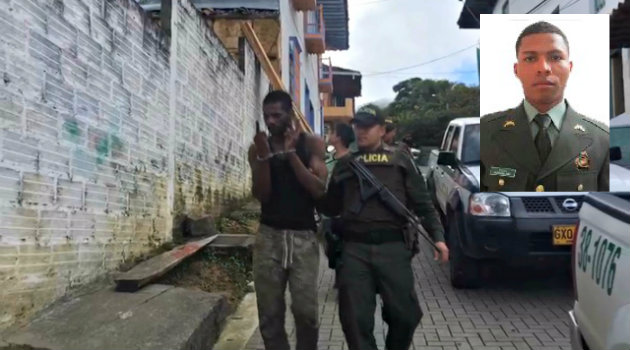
<point>556,117</point>
<point>578,161</point>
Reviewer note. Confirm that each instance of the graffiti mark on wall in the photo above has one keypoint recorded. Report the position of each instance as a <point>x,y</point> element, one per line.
<point>103,144</point>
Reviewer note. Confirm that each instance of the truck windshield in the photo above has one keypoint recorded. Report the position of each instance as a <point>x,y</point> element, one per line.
<point>470,150</point>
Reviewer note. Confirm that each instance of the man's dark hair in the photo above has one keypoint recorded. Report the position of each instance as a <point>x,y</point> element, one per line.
<point>389,127</point>
<point>279,96</point>
<point>538,28</point>
<point>345,134</point>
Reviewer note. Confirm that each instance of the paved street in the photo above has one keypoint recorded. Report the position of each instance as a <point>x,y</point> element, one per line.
<point>517,309</point>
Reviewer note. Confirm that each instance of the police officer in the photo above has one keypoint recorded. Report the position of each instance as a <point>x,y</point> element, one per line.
<point>390,132</point>
<point>543,144</point>
<point>374,258</point>
<point>391,129</point>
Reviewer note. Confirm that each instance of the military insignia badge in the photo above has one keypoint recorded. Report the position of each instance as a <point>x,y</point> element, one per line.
<point>583,162</point>
<point>579,127</point>
<point>369,110</point>
<point>509,124</point>
<point>506,172</point>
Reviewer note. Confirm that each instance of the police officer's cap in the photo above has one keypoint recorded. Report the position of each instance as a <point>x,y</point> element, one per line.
<point>367,117</point>
<point>389,125</point>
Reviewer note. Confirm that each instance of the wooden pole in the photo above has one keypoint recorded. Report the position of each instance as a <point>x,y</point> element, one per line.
<point>275,79</point>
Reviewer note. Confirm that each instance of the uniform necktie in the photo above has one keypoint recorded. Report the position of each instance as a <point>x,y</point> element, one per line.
<point>542,140</point>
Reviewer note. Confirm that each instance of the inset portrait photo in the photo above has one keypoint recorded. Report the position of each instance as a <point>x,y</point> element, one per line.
<point>544,101</point>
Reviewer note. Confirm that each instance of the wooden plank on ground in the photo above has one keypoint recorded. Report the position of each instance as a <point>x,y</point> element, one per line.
<point>157,266</point>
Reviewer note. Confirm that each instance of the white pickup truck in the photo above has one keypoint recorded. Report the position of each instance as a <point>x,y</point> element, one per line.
<point>600,319</point>
<point>511,227</point>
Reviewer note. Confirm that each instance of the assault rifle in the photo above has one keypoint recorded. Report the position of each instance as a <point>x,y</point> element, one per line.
<point>369,186</point>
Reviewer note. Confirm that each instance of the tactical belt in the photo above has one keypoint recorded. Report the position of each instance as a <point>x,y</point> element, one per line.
<point>373,237</point>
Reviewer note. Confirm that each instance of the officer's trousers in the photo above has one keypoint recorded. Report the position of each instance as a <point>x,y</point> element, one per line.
<point>368,269</point>
<point>281,257</point>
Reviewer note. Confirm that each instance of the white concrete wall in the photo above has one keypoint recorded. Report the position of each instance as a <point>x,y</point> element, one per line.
<point>107,134</point>
<point>292,24</point>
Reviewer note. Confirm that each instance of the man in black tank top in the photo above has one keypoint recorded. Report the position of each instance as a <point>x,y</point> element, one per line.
<point>288,175</point>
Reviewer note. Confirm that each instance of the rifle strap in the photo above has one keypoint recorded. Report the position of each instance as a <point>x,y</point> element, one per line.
<point>357,206</point>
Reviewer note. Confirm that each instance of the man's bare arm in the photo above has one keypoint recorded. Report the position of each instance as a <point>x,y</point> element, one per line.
<point>314,177</point>
<point>261,176</point>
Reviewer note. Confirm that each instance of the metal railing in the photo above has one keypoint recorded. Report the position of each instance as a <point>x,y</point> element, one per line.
<point>325,69</point>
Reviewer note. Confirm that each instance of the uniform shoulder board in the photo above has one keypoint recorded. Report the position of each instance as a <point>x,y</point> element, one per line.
<point>497,116</point>
<point>596,123</point>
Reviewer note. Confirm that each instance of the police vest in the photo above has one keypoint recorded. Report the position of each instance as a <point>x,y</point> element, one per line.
<point>390,169</point>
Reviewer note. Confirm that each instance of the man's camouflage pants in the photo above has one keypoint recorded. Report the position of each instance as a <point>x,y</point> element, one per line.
<point>282,256</point>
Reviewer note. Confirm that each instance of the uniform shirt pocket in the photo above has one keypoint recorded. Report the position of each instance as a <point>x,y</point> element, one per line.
<point>506,183</point>
<point>577,180</point>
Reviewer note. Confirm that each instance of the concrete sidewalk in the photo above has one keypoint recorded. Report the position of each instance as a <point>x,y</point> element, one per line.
<point>156,317</point>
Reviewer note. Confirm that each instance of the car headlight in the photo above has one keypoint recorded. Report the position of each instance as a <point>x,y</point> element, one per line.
<point>489,204</point>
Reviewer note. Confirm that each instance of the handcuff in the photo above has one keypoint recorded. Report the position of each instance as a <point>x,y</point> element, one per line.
<point>271,155</point>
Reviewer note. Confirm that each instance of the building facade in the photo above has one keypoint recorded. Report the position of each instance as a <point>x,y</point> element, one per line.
<point>339,94</point>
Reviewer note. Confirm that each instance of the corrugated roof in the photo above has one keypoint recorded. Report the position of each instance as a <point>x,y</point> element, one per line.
<point>469,17</point>
<point>336,21</point>
<point>155,5</point>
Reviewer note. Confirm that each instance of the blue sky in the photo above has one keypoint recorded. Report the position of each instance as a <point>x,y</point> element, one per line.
<point>387,35</point>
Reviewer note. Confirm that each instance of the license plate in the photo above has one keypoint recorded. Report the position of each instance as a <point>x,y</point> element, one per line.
<point>563,234</point>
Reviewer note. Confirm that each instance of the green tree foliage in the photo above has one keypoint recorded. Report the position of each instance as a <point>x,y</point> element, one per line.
<point>422,108</point>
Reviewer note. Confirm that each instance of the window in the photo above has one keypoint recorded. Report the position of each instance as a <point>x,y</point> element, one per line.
<point>470,148</point>
<point>447,137</point>
<point>506,7</point>
<point>294,69</point>
<point>556,10</point>
<point>455,140</point>
<point>310,110</point>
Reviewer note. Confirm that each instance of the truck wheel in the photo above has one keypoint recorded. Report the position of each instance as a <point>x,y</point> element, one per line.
<point>465,271</point>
